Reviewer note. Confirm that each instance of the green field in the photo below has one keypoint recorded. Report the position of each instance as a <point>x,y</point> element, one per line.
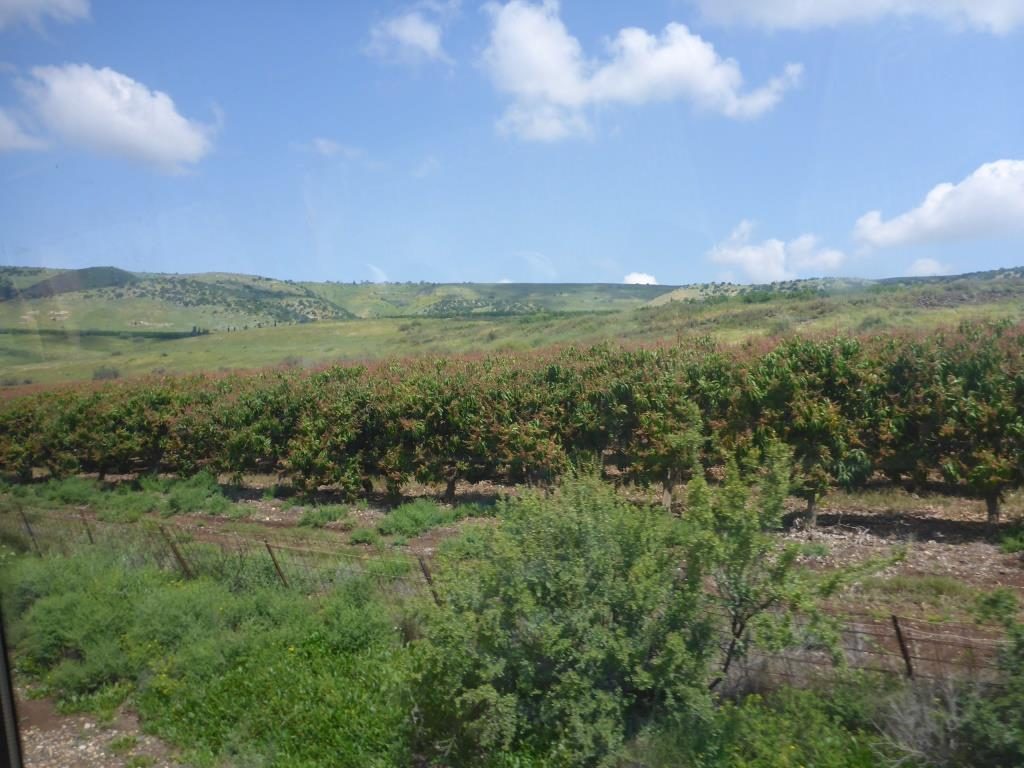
<point>143,324</point>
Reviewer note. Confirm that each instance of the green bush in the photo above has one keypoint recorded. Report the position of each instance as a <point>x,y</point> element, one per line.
<point>318,517</point>
<point>572,630</point>
<point>1013,542</point>
<point>416,517</point>
<point>127,506</point>
<point>199,493</point>
<point>582,620</point>
<point>70,490</point>
<point>364,536</point>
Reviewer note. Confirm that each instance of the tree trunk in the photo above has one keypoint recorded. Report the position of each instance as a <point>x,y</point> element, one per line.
<point>668,486</point>
<point>394,491</point>
<point>992,507</point>
<point>811,515</point>
<point>449,490</point>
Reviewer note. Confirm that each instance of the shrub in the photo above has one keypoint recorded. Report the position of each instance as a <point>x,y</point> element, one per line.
<point>993,724</point>
<point>415,517</point>
<point>70,490</point>
<point>1013,542</point>
<point>581,619</point>
<point>106,373</point>
<point>364,536</point>
<point>318,517</point>
<point>126,506</point>
<point>199,493</point>
<point>570,631</point>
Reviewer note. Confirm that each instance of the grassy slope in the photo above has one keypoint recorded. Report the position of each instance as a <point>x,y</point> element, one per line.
<point>627,314</point>
<point>405,299</point>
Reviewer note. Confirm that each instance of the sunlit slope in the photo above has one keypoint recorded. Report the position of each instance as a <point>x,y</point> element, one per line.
<point>105,298</point>
<point>73,336</point>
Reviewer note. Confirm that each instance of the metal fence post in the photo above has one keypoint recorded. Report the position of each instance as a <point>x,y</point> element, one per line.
<point>88,530</point>
<point>429,578</point>
<point>177,554</point>
<point>28,527</point>
<point>277,567</point>
<point>903,645</point>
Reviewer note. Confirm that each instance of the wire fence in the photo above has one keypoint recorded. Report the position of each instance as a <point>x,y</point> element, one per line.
<point>238,559</point>
<point>873,643</point>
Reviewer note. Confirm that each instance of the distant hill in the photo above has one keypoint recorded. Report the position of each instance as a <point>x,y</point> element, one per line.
<point>108,299</point>
<point>78,280</point>
<point>156,324</point>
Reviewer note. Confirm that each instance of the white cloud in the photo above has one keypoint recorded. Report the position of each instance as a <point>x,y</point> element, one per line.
<point>106,111</point>
<point>989,202</point>
<point>12,137</point>
<point>996,16</point>
<point>32,12</point>
<point>532,57</point>
<point>640,278</point>
<point>773,260</point>
<point>928,267</point>
<point>413,35</point>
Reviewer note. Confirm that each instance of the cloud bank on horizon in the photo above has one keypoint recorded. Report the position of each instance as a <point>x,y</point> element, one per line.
<point>773,260</point>
<point>640,278</point>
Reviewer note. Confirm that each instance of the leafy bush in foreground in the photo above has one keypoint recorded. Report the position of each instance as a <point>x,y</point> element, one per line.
<point>581,619</point>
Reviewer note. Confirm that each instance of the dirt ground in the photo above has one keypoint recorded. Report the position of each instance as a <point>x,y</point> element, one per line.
<point>52,740</point>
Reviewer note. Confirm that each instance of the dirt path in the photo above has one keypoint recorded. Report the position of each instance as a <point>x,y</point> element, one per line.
<point>52,740</point>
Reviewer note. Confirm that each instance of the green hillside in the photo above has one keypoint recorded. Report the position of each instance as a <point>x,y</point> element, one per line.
<point>109,299</point>
<point>453,300</point>
<point>156,324</point>
<point>79,280</point>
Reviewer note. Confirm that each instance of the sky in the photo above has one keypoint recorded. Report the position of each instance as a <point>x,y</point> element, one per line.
<point>676,141</point>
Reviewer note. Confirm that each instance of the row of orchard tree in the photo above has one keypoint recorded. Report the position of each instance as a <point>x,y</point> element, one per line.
<point>946,409</point>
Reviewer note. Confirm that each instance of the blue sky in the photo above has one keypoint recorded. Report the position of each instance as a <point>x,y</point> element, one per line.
<point>680,140</point>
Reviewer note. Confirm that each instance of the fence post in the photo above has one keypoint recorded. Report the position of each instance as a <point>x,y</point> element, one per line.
<point>28,527</point>
<point>903,645</point>
<point>429,578</point>
<point>177,554</point>
<point>277,567</point>
<point>85,522</point>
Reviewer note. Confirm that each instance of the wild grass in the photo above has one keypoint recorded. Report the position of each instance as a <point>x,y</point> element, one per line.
<point>127,503</point>
<point>250,677</point>
<point>924,588</point>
